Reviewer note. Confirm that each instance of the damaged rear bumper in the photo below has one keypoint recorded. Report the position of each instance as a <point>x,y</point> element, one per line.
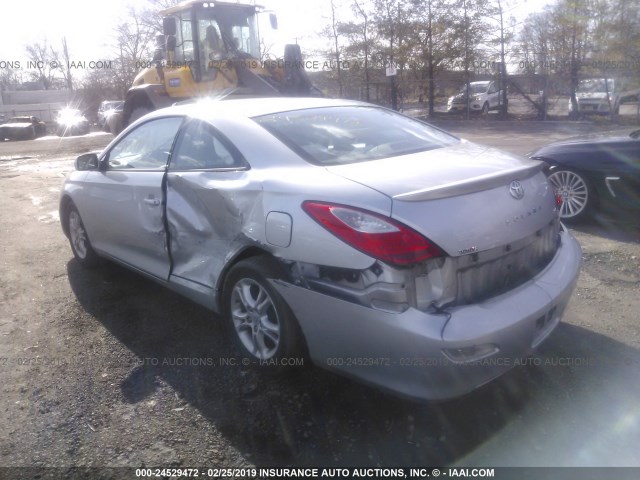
<point>436,355</point>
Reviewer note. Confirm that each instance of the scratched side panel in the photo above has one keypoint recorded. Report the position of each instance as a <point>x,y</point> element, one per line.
<point>210,215</point>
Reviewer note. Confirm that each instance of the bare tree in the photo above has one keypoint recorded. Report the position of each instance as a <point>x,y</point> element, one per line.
<point>433,37</point>
<point>10,78</point>
<point>150,16</point>
<point>573,16</point>
<point>64,64</point>
<point>470,18</point>
<point>43,63</point>
<point>393,26</point>
<point>134,47</point>
<point>334,32</point>
<point>503,39</point>
<point>359,37</point>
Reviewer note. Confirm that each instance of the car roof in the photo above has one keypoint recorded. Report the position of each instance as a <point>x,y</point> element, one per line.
<point>26,118</point>
<point>210,109</point>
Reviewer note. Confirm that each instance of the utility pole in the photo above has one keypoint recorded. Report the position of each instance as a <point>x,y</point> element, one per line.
<point>466,59</point>
<point>503,70</point>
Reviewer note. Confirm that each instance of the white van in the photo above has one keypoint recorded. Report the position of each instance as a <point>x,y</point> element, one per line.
<point>591,96</point>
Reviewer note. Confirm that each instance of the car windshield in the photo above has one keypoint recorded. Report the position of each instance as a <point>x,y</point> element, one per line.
<point>475,88</point>
<point>342,135</point>
<point>595,85</point>
<point>111,105</point>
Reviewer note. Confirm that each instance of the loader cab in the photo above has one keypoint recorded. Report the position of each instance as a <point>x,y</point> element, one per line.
<point>205,35</point>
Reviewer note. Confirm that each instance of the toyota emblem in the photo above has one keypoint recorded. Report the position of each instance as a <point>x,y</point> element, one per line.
<point>516,190</point>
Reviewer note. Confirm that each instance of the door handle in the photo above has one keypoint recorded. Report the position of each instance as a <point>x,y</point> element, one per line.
<point>152,201</point>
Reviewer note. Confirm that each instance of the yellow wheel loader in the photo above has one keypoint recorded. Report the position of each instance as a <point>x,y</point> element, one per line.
<point>211,49</point>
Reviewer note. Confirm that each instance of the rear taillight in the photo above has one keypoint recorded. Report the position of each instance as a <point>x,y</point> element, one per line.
<point>376,235</point>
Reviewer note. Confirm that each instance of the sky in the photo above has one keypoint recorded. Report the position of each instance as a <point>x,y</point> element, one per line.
<point>88,25</point>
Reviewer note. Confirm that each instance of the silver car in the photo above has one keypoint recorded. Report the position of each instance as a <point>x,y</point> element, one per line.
<point>485,96</point>
<point>381,247</point>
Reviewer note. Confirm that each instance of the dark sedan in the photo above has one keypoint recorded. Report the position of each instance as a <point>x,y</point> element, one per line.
<point>596,172</point>
<point>22,128</point>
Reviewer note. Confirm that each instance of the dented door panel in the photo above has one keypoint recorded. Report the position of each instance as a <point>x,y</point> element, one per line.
<point>209,214</point>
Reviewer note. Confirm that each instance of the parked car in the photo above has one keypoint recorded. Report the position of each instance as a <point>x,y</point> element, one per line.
<point>595,172</point>
<point>485,96</point>
<point>72,121</point>
<point>106,110</point>
<point>596,96</point>
<point>26,127</point>
<point>384,248</point>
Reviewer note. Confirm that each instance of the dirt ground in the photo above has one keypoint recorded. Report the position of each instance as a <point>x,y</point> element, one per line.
<point>104,368</point>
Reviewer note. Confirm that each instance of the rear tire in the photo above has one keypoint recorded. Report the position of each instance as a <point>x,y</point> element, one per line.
<point>261,322</point>
<point>79,240</point>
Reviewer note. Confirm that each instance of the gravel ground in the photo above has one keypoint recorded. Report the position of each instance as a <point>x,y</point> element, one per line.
<point>104,368</point>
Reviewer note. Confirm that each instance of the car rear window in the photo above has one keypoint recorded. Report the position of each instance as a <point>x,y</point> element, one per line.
<point>343,135</point>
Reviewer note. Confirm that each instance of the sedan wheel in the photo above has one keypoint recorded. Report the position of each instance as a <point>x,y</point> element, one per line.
<point>79,240</point>
<point>574,192</point>
<point>255,318</point>
<point>262,323</point>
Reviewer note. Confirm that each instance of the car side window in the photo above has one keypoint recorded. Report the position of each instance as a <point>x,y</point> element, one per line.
<point>147,147</point>
<point>201,147</point>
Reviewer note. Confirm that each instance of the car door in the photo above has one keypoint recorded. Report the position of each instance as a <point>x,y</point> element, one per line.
<point>123,208</point>
<point>493,95</point>
<point>621,168</point>
<point>210,195</point>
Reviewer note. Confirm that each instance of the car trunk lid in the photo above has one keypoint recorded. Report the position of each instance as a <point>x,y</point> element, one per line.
<point>463,197</point>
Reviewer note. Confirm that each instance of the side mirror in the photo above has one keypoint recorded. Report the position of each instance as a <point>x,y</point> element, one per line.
<point>274,21</point>
<point>169,26</point>
<point>87,161</point>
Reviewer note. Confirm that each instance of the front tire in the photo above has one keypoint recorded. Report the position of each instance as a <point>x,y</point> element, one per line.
<point>79,240</point>
<point>261,322</point>
<point>575,191</point>
<point>485,109</point>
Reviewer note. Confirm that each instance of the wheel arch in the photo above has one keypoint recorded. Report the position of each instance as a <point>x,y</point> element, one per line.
<point>139,96</point>
<point>590,176</point>
<point>65,203</point>
<point>253,251</point>
<point>243,254</point>
<point>151,96</point>
<point>148,96</point>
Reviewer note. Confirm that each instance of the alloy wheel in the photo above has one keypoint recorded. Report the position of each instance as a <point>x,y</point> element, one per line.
<point>255,318</point>
<point>77,234</point>
<point>573,191</point>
